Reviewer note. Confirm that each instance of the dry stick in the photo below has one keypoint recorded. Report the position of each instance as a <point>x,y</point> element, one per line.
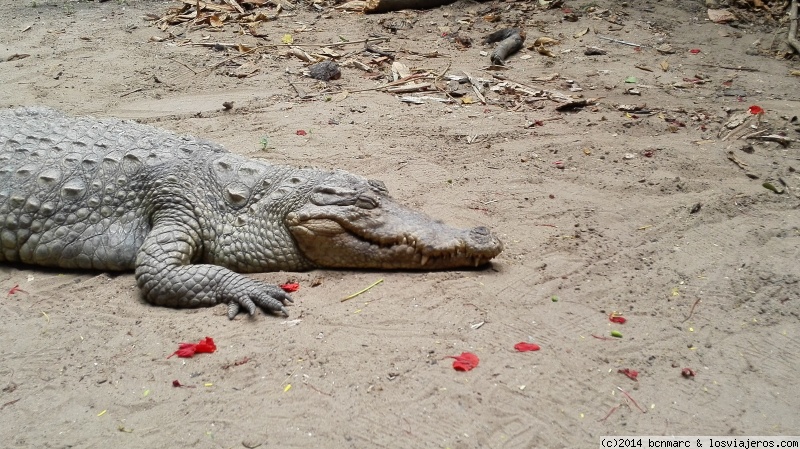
<point>393,83</point>
<point>475,87</point>
<point>361,291</point>
<point>132,92</point>
<point>792,39</point>
<point>317,389</point>
<point>691,312</point>
<point>261,47</point>
<point>334,44</point>
<point>632,400</point>
<point>744,69</point>
<point>185,65</point>
<point>610,413</point>
<point>621,42</point>
<point>300,92</point>
<point>444,91</point>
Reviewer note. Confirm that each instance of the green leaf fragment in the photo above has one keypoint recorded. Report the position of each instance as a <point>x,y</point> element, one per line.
<point>769,186</point>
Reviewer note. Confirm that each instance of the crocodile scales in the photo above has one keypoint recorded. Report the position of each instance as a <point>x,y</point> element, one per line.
<point>188,216</point>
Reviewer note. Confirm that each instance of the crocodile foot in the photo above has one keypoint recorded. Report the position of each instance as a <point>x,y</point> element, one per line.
<point>245,293</point>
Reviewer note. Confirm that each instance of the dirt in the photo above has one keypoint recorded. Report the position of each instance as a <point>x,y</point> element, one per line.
<point>602,211</point>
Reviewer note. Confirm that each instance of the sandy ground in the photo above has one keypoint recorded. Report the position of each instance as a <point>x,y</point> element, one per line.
<point>715,290</point>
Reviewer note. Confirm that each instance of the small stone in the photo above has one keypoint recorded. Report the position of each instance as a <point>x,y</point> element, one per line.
<point>325,71</point>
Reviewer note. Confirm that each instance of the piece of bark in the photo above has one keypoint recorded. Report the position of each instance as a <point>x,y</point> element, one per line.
<point>380,6</point>
<point>500,35</point>
<point>507,47</point>
<point>792,38</point>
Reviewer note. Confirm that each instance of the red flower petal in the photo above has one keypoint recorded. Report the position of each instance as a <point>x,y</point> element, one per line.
<point>632,374</point>
<point>694,51</point>
<point>464,362</point>
<point>617,319</point>
<point>176,383</point>
<point>687,372</point>
<point>290,287</point>
<point>525,347</point>
<point>206,345</point>
<point>755,110</point>
<point>15,289</point>
<point>187,350</point>
<point>300,132</point>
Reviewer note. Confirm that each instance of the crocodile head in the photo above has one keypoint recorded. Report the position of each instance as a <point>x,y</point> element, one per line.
<point>350,222</point>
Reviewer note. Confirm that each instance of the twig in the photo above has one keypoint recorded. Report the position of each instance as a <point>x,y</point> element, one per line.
<point>393,83</point>
<point>744,69</point>
<point>747,136</point>
<point>377,51</point>
<point>261,47</point>
<point>132,92</point>
<point>610,413</point>
<point>335,44</point>
<point>194,72</point>
<point>361,291</point>
<point>10,403</point>
<point>691,311</point>
<point>444,72</point>
<point>316,389</point>
<point>475,87</point>
<point>300,92</point>
<point>739,163</point>
<point>632,400</point>
<point>621,41</point>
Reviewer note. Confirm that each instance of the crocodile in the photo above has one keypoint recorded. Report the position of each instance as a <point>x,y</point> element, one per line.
<point>190,218</point>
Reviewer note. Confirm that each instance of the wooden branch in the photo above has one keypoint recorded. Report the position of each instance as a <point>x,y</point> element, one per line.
<point>381,6</point>
<point>792,39</point>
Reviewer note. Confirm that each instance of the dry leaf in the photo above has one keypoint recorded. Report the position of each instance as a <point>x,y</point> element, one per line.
<point>664,65</point>
<point>246,70</point>
<point>544,40</point>
<point>544,51</point>
<point>665,49</point>
<point>217,21</point>
<point>580,33</point>
<point>795,73</point>
<point>549,77</point>
<point>327,51</point>
<point>339,97</point>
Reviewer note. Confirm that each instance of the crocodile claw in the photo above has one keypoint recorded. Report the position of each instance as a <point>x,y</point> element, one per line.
<point>269,298</point>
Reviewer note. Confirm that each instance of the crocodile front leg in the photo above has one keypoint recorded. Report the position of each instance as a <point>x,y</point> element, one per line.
<point>167,278</point>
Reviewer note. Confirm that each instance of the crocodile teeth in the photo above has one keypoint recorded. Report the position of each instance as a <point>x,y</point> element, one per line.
<point>424,260</point>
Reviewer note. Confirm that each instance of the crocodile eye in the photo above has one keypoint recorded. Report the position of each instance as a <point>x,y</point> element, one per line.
<point>367,202</point>
<point>332,196</point>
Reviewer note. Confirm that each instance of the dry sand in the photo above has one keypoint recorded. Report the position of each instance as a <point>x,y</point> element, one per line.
<point>84,357</point>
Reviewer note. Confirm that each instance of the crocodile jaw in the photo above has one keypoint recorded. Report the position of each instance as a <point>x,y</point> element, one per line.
<point>388,237</point>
